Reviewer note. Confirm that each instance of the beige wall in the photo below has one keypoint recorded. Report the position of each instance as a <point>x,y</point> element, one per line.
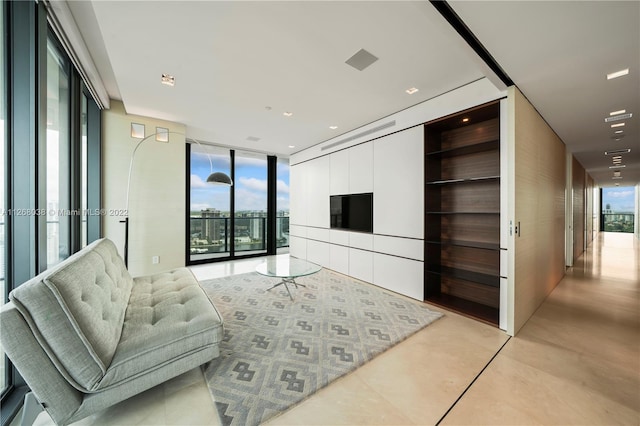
<point>539,199</point>
<point>157,198</point>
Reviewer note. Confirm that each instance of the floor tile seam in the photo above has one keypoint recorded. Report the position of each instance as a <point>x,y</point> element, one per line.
<point>472,382</point>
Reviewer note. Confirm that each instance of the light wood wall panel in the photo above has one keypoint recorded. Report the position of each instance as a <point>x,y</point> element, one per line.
<point>578,185</point>
<point>590,201</point>
<point>539,200</point>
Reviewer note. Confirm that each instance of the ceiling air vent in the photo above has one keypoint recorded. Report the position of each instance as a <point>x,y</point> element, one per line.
<point>361,60</point>
<point>618,117</point>
<point>359,135</point>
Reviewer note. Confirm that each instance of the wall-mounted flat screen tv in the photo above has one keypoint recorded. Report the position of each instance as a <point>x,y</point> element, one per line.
<point>353,212</point>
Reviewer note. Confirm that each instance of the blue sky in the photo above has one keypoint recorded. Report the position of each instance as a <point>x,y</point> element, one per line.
<point>621,199</point>
<point>250,182</point>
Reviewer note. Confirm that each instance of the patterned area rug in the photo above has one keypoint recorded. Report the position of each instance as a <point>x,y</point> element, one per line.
<point>277,352</point>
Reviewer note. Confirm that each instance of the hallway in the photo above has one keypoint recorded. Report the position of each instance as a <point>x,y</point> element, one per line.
<point>577,360</point>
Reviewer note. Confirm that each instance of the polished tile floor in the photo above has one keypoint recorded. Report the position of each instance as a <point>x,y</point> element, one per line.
<point>576,361</point>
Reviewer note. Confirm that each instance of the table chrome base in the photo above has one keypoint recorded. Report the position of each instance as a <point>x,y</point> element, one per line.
<point>286,281</point>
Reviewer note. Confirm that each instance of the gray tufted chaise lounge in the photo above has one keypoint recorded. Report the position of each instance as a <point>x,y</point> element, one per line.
<point>85,335</point>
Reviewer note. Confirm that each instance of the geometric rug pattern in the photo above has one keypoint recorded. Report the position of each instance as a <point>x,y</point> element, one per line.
<point>277,352</point>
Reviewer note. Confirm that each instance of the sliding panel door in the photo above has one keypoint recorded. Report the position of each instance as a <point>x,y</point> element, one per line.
<point>250,203</point>
<point>209,205</point>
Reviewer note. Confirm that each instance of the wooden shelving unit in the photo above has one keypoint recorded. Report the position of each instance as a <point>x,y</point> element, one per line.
<point>462,205</point>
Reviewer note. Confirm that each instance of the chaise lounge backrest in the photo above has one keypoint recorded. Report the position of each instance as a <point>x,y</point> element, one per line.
<point>76,312</point>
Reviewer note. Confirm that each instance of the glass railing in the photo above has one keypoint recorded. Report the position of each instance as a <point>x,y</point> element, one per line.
<point>618,222</point>
<point>282,231</point>
<point>211,235</point>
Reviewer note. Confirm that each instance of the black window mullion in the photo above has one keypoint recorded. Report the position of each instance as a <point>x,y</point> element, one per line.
<point>94,170</point>
<point>75,177</point>
<point>232,206</point>
<point>272,186</point>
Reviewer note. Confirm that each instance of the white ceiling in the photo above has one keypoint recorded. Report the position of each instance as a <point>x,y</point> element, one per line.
<point>232,60</point>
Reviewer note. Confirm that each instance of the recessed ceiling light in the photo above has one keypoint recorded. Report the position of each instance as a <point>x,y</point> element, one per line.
<point>617,161</point>
<point>618,166</point>
<point>616,173</point>
<point>411,91</point>
<point>617,125</point>
<point>617,184</point>
<point>618,151</point>
<point>168,80</point>
<point>618,131</point>
<point>622,111</point>
<point>465,120</point>
<point>287,114</point>
<point>333,127</point>
<point>292,146</point>
<point>615,157</point>
<point>618,74</point>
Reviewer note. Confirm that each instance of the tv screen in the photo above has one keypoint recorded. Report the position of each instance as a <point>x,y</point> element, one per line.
<point>352,212</point>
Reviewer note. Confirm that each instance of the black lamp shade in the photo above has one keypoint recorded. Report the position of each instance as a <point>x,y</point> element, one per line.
<point>219,178</point>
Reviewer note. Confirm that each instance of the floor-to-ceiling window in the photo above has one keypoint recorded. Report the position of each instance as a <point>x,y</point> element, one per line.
<point>50,157</point>
<point>58,154</point>
<point>618,209</point>
<point>235,221</point>
<point>282,216</point>
<point>3,187</point>
<point>250,203</point>
<point>209,205</point>
<point>84,177</point>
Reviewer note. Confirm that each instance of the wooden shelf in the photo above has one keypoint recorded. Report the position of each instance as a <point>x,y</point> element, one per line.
<point>466,150</point>
<point>475,310</point>
<point>468,212</point>
<point>471,244</point>
<point>475,277</point>
<point>468,180</point>
<point>462,219</point>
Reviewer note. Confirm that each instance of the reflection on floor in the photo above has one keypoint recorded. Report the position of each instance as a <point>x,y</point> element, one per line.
<point>576,361</point>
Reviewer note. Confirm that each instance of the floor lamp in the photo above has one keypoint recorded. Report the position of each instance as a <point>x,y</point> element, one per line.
<point>217,178</point>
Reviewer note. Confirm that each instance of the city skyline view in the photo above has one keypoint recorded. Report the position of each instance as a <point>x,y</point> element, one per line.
<point>250,181</point>
<point>621,199</point>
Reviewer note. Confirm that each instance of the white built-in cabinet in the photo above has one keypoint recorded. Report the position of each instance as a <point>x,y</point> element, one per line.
<point>398,186</point>
<point>390,167</point>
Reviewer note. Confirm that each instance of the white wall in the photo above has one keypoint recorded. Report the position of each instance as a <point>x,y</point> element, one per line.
<point>157,199</point>
<point>389,163</point>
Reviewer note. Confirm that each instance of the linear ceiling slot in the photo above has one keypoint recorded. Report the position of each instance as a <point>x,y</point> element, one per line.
<point>359,135</point>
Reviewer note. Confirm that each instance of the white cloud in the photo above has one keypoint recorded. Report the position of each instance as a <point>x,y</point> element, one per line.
<point>253,184</point>
<point>249,200</point>
<point>283,188</point>
<point>197,182</point>
<point>621,194</point>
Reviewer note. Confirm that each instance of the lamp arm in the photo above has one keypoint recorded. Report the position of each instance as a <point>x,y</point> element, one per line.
<point>133,156</point>
<point>208,155</point>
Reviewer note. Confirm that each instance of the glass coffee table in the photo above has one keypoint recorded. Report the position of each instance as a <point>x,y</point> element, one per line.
<point>288,269</point>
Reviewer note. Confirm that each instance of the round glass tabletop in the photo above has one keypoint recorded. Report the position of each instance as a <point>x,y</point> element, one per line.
<point>287,267</point>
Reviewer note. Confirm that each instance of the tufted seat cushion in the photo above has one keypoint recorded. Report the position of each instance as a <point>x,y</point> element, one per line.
<point>76,312</point>
<point>169,316</point>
